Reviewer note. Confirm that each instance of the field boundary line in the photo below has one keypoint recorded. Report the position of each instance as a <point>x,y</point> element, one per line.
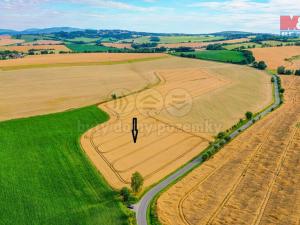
<point>261,209</point>
<point>241,177</point>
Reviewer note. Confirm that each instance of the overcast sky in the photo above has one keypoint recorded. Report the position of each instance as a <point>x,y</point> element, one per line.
<point>190,16</point>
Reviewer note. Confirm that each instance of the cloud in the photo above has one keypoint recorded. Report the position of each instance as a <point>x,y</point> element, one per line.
<point>112,5</point>
<point>199,17</point>
<point>271,6</point>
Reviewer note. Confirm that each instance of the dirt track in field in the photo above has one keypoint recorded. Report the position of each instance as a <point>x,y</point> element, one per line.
<point>253,180</point>
<point>278,56</point>
<point>166,140</point>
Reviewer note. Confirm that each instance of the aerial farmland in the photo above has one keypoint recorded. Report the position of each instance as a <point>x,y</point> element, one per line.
<point>149,113</point>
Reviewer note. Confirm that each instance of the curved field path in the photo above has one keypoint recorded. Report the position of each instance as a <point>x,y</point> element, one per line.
<point>167,141</point>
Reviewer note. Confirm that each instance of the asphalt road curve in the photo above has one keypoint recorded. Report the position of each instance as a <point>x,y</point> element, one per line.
<point>141,207</point>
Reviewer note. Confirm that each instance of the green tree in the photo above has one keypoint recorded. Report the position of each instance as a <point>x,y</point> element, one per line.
<point>261,65</point>
<point>114,96</point>
<point>281,70</point>
<point>125,193</point>
<point>137,182</point>
<point>221,135</point>
<point>249,115</point>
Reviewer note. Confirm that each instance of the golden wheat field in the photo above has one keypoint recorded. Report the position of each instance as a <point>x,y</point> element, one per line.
<point>43,42</point>
<point>26,48</point>
<point>117,45</point>
<point>52,60</point>
<point>198,45</point>
<point>274,57</point>
<point>253,180</point>
<point>7,40</point>
<point>175,116</point>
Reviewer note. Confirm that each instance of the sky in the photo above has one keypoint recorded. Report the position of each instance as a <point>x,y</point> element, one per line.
<point>166,16</point>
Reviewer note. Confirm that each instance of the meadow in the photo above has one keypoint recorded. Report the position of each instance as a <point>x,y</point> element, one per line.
<point>176,39</point>
<point>217,55</point>
<point>246,45</point>
<point>45,177</point>
<point>79,48</point>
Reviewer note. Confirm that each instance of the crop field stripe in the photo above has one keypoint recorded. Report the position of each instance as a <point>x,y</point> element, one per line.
<point>180,129</point>
<point>106,160</point>
<point>152,156</point>
<point>182,200</point>
<point>137,150</point>
<point>252,158</point>
<point>168,163</point>
<point>277,171</point>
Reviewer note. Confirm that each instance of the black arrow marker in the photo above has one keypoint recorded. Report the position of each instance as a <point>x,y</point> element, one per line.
<point>134,129</point>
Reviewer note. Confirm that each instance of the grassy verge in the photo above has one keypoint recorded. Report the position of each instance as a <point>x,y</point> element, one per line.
<point>213,148</point>
<point>45,177</point>
<point>80,48</point>
<point>20,67</point>
<point>235,57</point>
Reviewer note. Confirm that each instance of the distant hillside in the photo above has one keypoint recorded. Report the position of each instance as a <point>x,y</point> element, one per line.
<point>6,31</point>
<point>117,32</point>
<point>41,31</point>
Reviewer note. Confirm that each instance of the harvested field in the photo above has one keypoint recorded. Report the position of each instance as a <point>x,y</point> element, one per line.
<point>26,48</point>
<point>117,45</point>
<point>7,40</point>
<point>171,132</point>
<point>278,56</point>
<point>43,42</point>
<point>72,59</point>
<point>198,45</point>
<point>253,180</point>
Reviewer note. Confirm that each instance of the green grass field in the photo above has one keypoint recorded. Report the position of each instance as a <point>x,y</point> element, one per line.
<point>175,39</point>
<point>178,39</point>
<point>83,39</point>
<point>89,48</point>
<point>218,55</point>
<point>274,43</point>
<point>246,45</point>
<point>32,37</point>
<point>45,177</point>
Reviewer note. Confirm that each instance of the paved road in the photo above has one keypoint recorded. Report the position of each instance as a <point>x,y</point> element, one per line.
<point>142,206</point>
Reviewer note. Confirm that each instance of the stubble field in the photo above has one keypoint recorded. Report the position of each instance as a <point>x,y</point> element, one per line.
<point>274,57</point>
<point>26,48</point>
<point>253,180</point>
<point>7,40</point>
<point>198,45</point>
<point>65,60</point>
<point>168,139</point>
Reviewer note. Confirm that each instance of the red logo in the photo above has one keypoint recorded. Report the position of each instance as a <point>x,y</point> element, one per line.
<point>289,23</point>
